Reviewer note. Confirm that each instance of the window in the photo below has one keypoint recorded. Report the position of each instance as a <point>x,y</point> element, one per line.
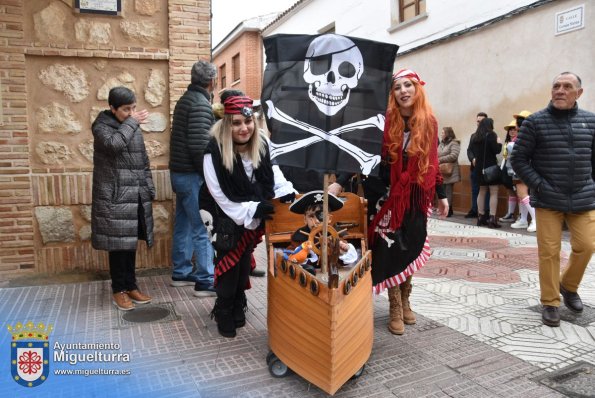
<point>222,77</point>
<point>235,67</point>
<point>409,9</point>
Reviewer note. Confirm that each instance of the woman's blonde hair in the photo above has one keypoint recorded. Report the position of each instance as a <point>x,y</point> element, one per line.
<point>222,133</point>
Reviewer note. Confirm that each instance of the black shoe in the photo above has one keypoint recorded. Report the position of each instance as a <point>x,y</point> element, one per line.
<point>550,316</point>
<point>571,300</point>
<point>208,291</point>
<point>257,273</point>
<point>449,212</point>
<point>493,222</point>
<point>471,214</point>
<point>482,220</point>
<point>179,282</point>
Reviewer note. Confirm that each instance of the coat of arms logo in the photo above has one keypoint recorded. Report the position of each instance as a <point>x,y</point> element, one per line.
<point>30,353</point>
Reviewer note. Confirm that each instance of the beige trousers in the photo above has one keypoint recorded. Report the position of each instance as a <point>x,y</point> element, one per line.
<point>549,242</point>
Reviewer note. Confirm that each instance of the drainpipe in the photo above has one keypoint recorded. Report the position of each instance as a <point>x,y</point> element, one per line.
<point>211,28</point>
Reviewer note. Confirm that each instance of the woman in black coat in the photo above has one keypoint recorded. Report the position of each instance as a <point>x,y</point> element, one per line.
<point>485,145</point>
<point>121,211</point>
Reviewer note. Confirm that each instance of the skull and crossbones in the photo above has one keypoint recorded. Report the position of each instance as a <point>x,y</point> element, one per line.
<point>332,68</point>
<point>382,227</point>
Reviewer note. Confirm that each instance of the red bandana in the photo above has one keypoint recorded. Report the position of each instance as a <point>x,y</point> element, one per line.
<point>238,105</point>
<point>408,73</point>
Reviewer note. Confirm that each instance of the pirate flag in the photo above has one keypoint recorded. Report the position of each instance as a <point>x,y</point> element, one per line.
<point>324,98</point>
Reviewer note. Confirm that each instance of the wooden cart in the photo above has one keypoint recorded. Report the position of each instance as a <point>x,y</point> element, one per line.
<point>322,333</point>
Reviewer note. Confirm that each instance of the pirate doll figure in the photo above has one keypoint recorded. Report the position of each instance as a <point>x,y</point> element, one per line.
<point>310,205</point>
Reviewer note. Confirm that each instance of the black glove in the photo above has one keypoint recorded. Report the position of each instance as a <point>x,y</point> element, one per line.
<point>289,198</point>
<point>264,210</point>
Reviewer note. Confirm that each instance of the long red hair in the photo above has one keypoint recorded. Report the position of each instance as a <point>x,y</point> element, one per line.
<point>421,124</point>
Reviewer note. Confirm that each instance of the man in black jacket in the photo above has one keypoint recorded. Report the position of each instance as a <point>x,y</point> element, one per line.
<point>192,121</point>
<point>554,156</point>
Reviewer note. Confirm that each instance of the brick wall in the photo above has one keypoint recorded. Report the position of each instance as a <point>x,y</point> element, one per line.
<point>16,228</point>
<point>23,186</point>
<point>189,41</point>
<point>249,46</point>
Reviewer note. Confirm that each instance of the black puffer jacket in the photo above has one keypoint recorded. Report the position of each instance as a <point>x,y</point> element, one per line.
<point>192,120</point>
<point>553,155</point>
<point>121,179</point>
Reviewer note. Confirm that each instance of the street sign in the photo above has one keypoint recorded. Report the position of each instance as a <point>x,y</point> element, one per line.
<point>569,20</point>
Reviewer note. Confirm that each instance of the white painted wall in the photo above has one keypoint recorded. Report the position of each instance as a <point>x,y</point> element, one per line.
<point>372,19</point>
<point>500,69</point>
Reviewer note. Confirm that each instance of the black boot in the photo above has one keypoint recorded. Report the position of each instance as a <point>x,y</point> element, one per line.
<point>223,315</point>
<point>471,214</point>
<point>240,305</point>
<point>493,222</point>
<point>482,220</point>
<point>449,211</point>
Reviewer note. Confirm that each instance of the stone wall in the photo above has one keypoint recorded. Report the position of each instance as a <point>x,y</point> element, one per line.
<point>56,68</point>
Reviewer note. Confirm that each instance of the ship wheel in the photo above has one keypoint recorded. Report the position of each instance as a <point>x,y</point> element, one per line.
<point>316,237</point>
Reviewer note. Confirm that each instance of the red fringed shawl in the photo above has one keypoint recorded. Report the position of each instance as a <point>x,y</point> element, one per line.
<point>404,186</point>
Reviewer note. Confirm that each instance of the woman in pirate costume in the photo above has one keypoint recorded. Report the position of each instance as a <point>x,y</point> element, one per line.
<point>397,233</point>
<point>240,181</point>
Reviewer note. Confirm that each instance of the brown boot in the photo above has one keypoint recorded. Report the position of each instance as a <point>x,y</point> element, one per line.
<point>395,324</point>
<point>122,301</point>
<point>408,315</point>
<point>137,297</point>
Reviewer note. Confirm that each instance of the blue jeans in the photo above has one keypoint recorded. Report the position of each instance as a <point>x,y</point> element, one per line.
<point>190,234</point>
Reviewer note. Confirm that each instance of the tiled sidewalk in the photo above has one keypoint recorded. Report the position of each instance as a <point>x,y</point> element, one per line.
<point>478,334</point>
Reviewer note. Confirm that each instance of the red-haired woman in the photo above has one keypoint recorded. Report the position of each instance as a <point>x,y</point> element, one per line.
<point>398,234</point>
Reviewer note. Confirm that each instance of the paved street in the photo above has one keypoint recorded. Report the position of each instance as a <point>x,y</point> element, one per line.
<point>479,334</point>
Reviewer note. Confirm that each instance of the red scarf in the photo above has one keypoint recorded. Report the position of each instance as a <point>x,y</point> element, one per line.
<point>404,186</point>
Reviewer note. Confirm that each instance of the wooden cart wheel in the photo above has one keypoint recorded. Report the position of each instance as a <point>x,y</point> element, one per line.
<point>278,368</point>
<point>270,356</point>
<point>315,237</point>
<point>358,373</point>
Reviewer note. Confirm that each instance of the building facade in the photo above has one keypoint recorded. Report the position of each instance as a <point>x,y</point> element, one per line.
<point>57,64</point>
<point>498,57</point>
<point>239,57</point>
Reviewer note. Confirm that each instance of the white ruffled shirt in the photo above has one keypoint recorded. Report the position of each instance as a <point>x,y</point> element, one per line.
<point>242,213</point>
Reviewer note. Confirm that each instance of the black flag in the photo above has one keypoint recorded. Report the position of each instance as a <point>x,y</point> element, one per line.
<point>324,98</point>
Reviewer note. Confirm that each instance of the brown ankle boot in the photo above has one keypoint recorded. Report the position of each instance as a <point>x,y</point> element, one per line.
<point>395,323</point>
<point>408,315</point>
